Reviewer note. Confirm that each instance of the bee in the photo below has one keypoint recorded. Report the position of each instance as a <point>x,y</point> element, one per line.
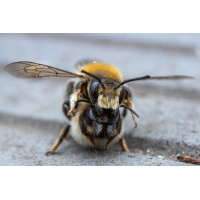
<point>92,101</point>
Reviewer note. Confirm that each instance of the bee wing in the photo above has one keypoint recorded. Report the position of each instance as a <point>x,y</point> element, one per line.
<point>169,77</point>
<point>25,69</point>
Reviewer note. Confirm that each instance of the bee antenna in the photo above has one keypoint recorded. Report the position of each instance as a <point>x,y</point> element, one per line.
<point>130,110</point>
<point>133,79</point>
<point>98,79</point>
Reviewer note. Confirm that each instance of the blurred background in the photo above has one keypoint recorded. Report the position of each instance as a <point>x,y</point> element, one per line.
<point>134,55</point>
<point>167,108</point>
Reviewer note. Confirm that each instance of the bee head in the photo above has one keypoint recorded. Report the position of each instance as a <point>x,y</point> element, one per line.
<point>106,95</point>
<point>102,92</point>
<point>108,98</point>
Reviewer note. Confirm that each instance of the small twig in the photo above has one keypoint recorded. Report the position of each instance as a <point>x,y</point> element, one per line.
<point>188,160</point>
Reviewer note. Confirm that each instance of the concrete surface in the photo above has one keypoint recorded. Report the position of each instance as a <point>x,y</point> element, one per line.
<point>26,144</point>
<point>30,110</point>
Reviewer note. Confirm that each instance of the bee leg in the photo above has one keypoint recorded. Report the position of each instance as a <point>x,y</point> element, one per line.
<point>63,135</point>
<point>129,104</point>
<point>134,119</point>
<point>68,92</point>
<point>75,96</point>
<point>123,144</point>
<point>108,142</point>
<point>92,142</point>
<point>73,105</point>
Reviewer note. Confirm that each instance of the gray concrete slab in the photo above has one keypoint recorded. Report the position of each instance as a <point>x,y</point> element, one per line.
<point>184,40</point>
<point>20,147</point>
<point>188,44</point>
<point>31,115</point>
<point>160,132</point>
<point>168,128</point>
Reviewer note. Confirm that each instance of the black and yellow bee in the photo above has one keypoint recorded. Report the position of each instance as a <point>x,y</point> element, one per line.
<point>92,101</point>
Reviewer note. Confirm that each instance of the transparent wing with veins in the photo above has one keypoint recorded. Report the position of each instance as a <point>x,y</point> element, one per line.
<point>25,69</point>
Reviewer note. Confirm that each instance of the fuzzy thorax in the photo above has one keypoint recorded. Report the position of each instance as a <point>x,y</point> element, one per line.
<point>104,70</point>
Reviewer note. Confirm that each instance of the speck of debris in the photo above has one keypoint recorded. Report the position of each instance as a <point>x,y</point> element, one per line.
<point>160,156</point>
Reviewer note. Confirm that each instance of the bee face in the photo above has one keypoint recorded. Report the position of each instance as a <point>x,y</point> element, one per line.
<point>106,97</point>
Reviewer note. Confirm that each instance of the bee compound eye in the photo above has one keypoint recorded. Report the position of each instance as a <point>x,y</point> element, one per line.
<point>122,95</point>
<point>90,115</point>
<point>94,90</point>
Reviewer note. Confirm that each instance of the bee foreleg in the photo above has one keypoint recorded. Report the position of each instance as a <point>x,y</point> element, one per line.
<point>123,144</point>
<point>75,96</point>
<point>63,135</point>
<point>127,102</point>
<point>130,105</point>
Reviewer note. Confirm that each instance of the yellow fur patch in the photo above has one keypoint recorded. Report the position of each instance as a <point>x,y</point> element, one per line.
<point>105,70</point>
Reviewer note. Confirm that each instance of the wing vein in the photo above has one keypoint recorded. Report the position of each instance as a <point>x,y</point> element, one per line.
<point>34,70</point>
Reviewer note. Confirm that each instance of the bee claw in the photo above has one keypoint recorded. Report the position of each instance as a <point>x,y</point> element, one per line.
<point>94,150</point>
<point>135,124</point>
<point>48,153</point>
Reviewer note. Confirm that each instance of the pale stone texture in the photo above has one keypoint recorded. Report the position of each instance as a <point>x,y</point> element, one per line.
<point>30,109</point>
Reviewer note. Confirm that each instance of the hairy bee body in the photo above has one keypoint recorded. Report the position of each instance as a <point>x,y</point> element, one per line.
<point>92,100</point>
<point>76,132</point>
<point>82,130</point>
